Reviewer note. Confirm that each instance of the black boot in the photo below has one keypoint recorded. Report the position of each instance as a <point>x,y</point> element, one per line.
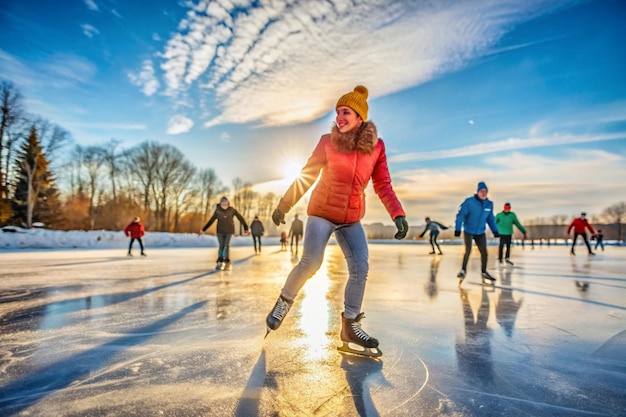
<point>278,313</point>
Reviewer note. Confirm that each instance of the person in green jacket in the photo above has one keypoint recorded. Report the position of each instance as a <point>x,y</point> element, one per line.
<point>505,221</point>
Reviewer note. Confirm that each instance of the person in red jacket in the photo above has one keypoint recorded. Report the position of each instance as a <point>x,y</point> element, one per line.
<point>579,225</point>
<point>135,231</point>
<point>347,158</point>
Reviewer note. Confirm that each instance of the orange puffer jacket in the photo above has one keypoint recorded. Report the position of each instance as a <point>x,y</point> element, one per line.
<point>347,162</point>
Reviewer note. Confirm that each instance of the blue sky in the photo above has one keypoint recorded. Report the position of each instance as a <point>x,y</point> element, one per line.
<point>529,96</point>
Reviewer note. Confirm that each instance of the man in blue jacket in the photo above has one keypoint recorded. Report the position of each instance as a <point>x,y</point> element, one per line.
<point>473,216</point>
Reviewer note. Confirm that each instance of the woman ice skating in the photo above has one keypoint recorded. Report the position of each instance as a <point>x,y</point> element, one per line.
<point>505,220</point>
<point>256,230</point>
<point>434,228</point>
<point>473,216</point>
<point>135,231</point>
<point>224,214</point>
<point>347,158</point>
<point>579,225</point>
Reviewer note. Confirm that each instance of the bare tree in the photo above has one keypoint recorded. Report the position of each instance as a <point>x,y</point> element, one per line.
<point>615,214</point>
<point>93,159</point>
<point>141,162</point>
<point>209,187</point>
<point>11,112</point>
<point>112,160</point>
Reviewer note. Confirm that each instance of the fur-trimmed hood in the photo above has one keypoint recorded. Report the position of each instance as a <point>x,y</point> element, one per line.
<point>363,140</point>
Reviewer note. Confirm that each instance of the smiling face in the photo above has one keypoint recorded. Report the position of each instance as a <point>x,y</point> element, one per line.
<point>347,120</point>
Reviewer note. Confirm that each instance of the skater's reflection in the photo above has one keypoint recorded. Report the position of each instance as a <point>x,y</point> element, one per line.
<point>584,271</point>
<point>506,306</point>
<point>431,286</point>
<point>474,353</point>
<point>359,373</point>
<point>222,299</point>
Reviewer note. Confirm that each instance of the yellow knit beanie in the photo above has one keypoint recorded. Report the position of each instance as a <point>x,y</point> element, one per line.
<point>356,100</point>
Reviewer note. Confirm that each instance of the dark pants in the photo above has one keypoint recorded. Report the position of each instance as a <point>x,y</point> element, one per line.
<point>296,238</point>
<point>481,242</point>
<point>433,241</point>
<point>256,238</point>
<point>505,240</point>
<point>138,239</point>
<point>224,247</point>
<point>584,235</point>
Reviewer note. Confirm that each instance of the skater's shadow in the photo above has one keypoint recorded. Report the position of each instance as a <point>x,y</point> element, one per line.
<point>39,317</point>
<point>431,286</point>
<point>506,306</point>
<point>248,404</point>
<point>18,395</point>
<point>95,261</point>
<point>359,373</point>
<point>474,352</point>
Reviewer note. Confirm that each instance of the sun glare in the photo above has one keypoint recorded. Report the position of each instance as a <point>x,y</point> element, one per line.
<point>291,170</point>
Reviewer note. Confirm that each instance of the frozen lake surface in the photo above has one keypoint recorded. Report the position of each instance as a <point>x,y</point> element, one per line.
<point>94,333</point>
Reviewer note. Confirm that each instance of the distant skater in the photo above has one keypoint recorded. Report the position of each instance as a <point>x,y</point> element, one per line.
<point>283,240</point>
<point>225,214</point>
<point>580,225</point>
<point>505,220</point>
<point>295,232</point>
<point>473,216</point>
<point>257,230</point>
<point>135,231</point>
<point>434,228</point>
<point>599,240</point>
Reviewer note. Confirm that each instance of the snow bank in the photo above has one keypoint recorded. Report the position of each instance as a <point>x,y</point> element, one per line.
<point>18,238</point>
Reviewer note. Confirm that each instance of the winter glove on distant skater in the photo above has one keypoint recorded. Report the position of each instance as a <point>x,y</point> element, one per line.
<point>403,227</point>
<point>457,233</point>
<point>278,217</point>
<point>496,234</point>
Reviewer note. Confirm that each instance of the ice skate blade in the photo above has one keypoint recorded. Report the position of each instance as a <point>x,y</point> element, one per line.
<point>267,331</point>
<point>354,349</point>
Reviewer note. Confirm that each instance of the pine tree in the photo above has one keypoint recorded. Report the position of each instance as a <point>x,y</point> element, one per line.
<point>36,197</point>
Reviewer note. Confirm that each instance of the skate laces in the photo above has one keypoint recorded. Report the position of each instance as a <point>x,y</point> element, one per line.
<point>280,309</point>
<point>356,328</point>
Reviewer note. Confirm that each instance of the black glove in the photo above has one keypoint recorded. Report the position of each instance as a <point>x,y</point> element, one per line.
<point>278,217</point>
<point>496,234</point>
<point>403,227</point>
<point>457,233</point>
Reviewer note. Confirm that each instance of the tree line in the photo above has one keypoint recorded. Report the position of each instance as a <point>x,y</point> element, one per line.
<point>104,186</point>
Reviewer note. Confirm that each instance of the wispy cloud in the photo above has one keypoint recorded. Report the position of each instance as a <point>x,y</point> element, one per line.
<point>91,5</point>
<point>279,63</point>
<point>509,144</point>
<point>179,124</point>
<point>145,79</point>
<point>89,30</point>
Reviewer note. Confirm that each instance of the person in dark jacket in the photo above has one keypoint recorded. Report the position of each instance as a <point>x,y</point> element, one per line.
<point>599,238</point>
<point>256,230</point>
<point>295,232</point>
<point>224,215</point>
<point>135,231</point>
<point>473,216</point>
<point>434,228</point>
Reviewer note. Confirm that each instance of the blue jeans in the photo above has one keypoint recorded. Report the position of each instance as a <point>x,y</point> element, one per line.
<point>224,242</point>
<point>352,241</point>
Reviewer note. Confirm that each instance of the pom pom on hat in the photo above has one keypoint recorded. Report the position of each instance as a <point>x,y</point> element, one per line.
<point>356,100</point>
